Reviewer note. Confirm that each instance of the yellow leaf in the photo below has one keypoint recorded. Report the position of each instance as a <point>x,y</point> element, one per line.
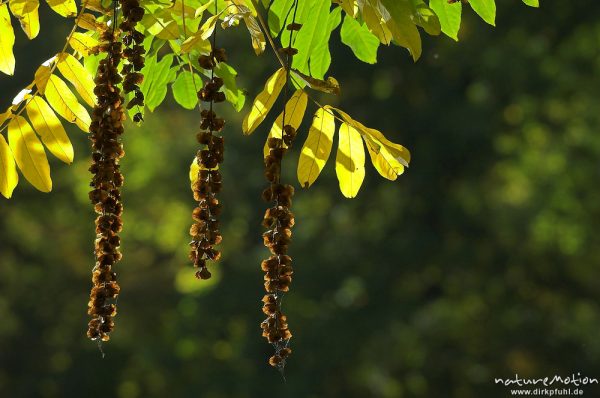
<point>65,103</point>
<point>349,6</point>
<point>194,170</point>
<point>8,171</point>
<point>66,8</point>
<point>75,73</point>
<point>239,9</point>
<point>200,10</point>
<point>26,12</point>
<point>90,22</point>
<point>83,44</point>
<point>50,129</point>
<point>264,102</point>
<point>385,164</point>
<point>403,27</point>
<point>7,42</point>
<point>397,151</point>
<point>294,113</point>
<point>29,154</point>
<point>195,42</point>
<point>376,24</point>
<point>258,38</point>
<point>42,74</point>
<point>208,27</point>
<point>350,161</point>
<point>317,147</point>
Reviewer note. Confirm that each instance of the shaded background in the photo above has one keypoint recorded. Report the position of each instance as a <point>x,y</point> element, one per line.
<point>481,261</point>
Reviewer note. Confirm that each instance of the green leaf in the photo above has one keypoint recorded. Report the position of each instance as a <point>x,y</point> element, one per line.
<point>233,94</point>
<point>532,3</point>
<point>320,59</point>
<point>449,16</point>
<point>277,14</point>
<point>156,77</point>
<point>363,43</point>
<point>486,9</point>
<point>185,89</point>
<point>313,15</point>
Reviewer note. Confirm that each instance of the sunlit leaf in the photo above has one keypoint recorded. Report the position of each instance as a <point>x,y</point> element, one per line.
<point>64,102</point>
<point>50,129</point>
<point>264,101</point>
<point>349,6</point>
<point>402,27</point>
<point>233,93</point>
<point>185,89</point>
<point>78,76</point>
<point>29,154</point>
<point>383,161</point>
<point>26,12</point>
<point>195,42</point>
<point>161,25</point>
<point>207,29</point>
<point>8,170</point>
<point>156,77</point>
<point>42,74</point>
<point>277,13</point>
<point>350,161</point>
<point>449,16</point>
<point>376,24</point>
<point>90,22</point>
<point>425,17</point>
<point>7,42</point>
<point>363,43</point>
<point>66,8</point>
<point>294,113</point>
<point>316,148</point>
<point>486,9</point>
<point>83,44</point>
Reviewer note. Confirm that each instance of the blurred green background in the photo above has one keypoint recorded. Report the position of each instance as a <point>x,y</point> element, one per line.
<point>481,261</point>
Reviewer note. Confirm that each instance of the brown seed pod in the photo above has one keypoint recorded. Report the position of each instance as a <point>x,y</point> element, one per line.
<point>205,232</point>
<point>105,131</point>
<point>133,54</point>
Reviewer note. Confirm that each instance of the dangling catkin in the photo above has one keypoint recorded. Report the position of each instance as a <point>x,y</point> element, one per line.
<point>134,54</point>
<point>205,230</point>
<point>105,131</point>
<point>279,221</point>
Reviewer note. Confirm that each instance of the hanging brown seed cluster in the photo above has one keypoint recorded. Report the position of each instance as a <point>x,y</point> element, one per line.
<point>278,267</point>
<point>134,54</point>
<point>279,221</point>
<point>106,129</point>
<point>205,230</point>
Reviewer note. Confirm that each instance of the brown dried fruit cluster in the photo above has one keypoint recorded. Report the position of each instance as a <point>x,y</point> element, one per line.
<point>279,221</point>
<point>106,129</point>
<point>205,230</point>
<point>134,53</point>
<point>278,267</point>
